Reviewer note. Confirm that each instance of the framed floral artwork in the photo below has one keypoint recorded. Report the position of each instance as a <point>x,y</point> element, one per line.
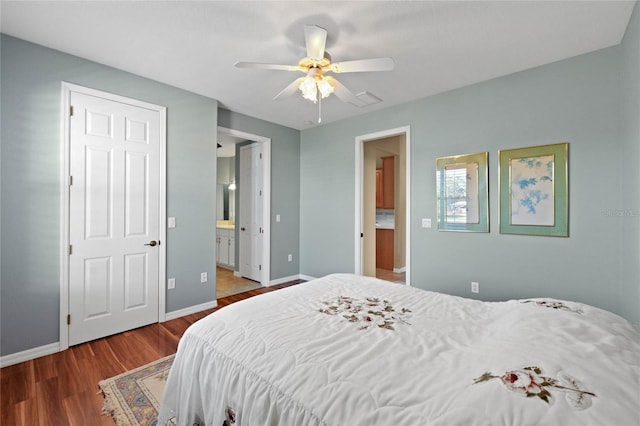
<point>534,190</point>
<point>463,193</point>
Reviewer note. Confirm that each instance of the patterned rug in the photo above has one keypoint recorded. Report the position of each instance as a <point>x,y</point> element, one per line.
<point>133,398</point>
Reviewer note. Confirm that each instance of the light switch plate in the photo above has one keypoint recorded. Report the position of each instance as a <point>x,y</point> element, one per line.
<point>171,222</point>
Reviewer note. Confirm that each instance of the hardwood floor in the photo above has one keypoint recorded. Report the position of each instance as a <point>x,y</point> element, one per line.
<point>62,388</point>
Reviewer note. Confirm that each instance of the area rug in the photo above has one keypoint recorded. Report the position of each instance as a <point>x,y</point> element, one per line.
<point>133,398</point>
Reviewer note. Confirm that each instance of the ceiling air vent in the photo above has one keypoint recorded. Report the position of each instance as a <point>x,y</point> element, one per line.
<point>365,99</point>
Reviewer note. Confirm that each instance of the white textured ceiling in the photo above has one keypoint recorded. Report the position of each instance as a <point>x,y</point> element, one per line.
<point>437,46</point>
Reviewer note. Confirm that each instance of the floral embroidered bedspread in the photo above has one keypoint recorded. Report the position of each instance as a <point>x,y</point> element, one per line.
<point>369,312</point>
<point>352,350</point>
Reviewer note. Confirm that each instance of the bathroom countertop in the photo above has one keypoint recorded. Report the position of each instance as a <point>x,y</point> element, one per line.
<point>385,225</point>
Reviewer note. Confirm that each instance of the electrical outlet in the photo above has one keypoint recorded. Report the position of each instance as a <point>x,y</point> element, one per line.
<point>290,257</point>
<point>426,222</point>
<point>171,283</point>
<point>475,287</point>
<point>203,277</point>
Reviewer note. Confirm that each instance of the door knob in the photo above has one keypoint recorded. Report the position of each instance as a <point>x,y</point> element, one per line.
<point>151,243</point>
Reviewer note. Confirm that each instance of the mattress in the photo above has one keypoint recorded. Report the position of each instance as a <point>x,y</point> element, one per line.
<point>353,350</point>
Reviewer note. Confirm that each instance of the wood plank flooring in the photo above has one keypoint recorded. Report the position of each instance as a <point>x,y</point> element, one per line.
<point>62,388</point>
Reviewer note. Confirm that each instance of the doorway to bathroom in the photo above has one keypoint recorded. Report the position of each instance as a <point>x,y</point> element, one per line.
<point>243,204</point>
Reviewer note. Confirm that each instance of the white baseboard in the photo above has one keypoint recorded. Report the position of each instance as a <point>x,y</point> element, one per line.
<point>400,270</point>
<point>306,277</point>
<point>190,310</point>
<point>284,280</point>
<point>214,304</point>
<point>29,354</point>
<point>34,353</point>
<point>52,348</point>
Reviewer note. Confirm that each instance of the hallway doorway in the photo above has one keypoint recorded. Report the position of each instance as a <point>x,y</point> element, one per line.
<point>383,205</point>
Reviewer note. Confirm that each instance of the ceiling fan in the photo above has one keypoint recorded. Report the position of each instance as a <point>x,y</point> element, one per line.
<point>316,64</point>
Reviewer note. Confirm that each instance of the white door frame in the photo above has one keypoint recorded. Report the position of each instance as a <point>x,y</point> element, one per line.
<point>67,88</point>
<point>359,146</point>
<point>265,280</point>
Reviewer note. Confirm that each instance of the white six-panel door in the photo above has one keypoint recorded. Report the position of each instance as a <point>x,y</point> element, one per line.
<point>113,217</point>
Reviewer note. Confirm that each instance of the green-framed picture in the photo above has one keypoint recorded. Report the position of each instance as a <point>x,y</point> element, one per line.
<point>463,193</point>
<point>534,190</point>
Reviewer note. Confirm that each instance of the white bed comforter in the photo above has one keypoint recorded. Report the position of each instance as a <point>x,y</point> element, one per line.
<point>351,350</point>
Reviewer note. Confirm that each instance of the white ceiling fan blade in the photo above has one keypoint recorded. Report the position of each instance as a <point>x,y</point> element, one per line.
<point>315,40</point>
<point>264,66</point>
<point>362,65</point>
<point>342,92</point>
<point>290,89</point>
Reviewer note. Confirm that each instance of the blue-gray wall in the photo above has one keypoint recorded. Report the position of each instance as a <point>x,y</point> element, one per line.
<point>629,170</point>
<point>285,187</point>
<point>590,101</point>
<point>31,168</point>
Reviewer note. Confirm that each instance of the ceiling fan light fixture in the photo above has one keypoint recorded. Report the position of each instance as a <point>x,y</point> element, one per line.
<point>324,87</point>
<point>315,64</point>
<point>309,88</point>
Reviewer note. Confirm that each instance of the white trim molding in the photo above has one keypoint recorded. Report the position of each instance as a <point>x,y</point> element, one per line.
<point>29,354</point>
<point>306,277</point>
<point>65,134</point>
<point>359,157</point>
<point>266,204</point>
<point>190,310</point>
<point>286,279</point>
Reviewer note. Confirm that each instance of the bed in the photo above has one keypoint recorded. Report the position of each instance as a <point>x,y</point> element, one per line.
<point>353,350</point>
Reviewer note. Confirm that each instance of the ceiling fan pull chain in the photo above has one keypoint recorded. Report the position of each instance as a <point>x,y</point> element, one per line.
<point>320,109</point>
